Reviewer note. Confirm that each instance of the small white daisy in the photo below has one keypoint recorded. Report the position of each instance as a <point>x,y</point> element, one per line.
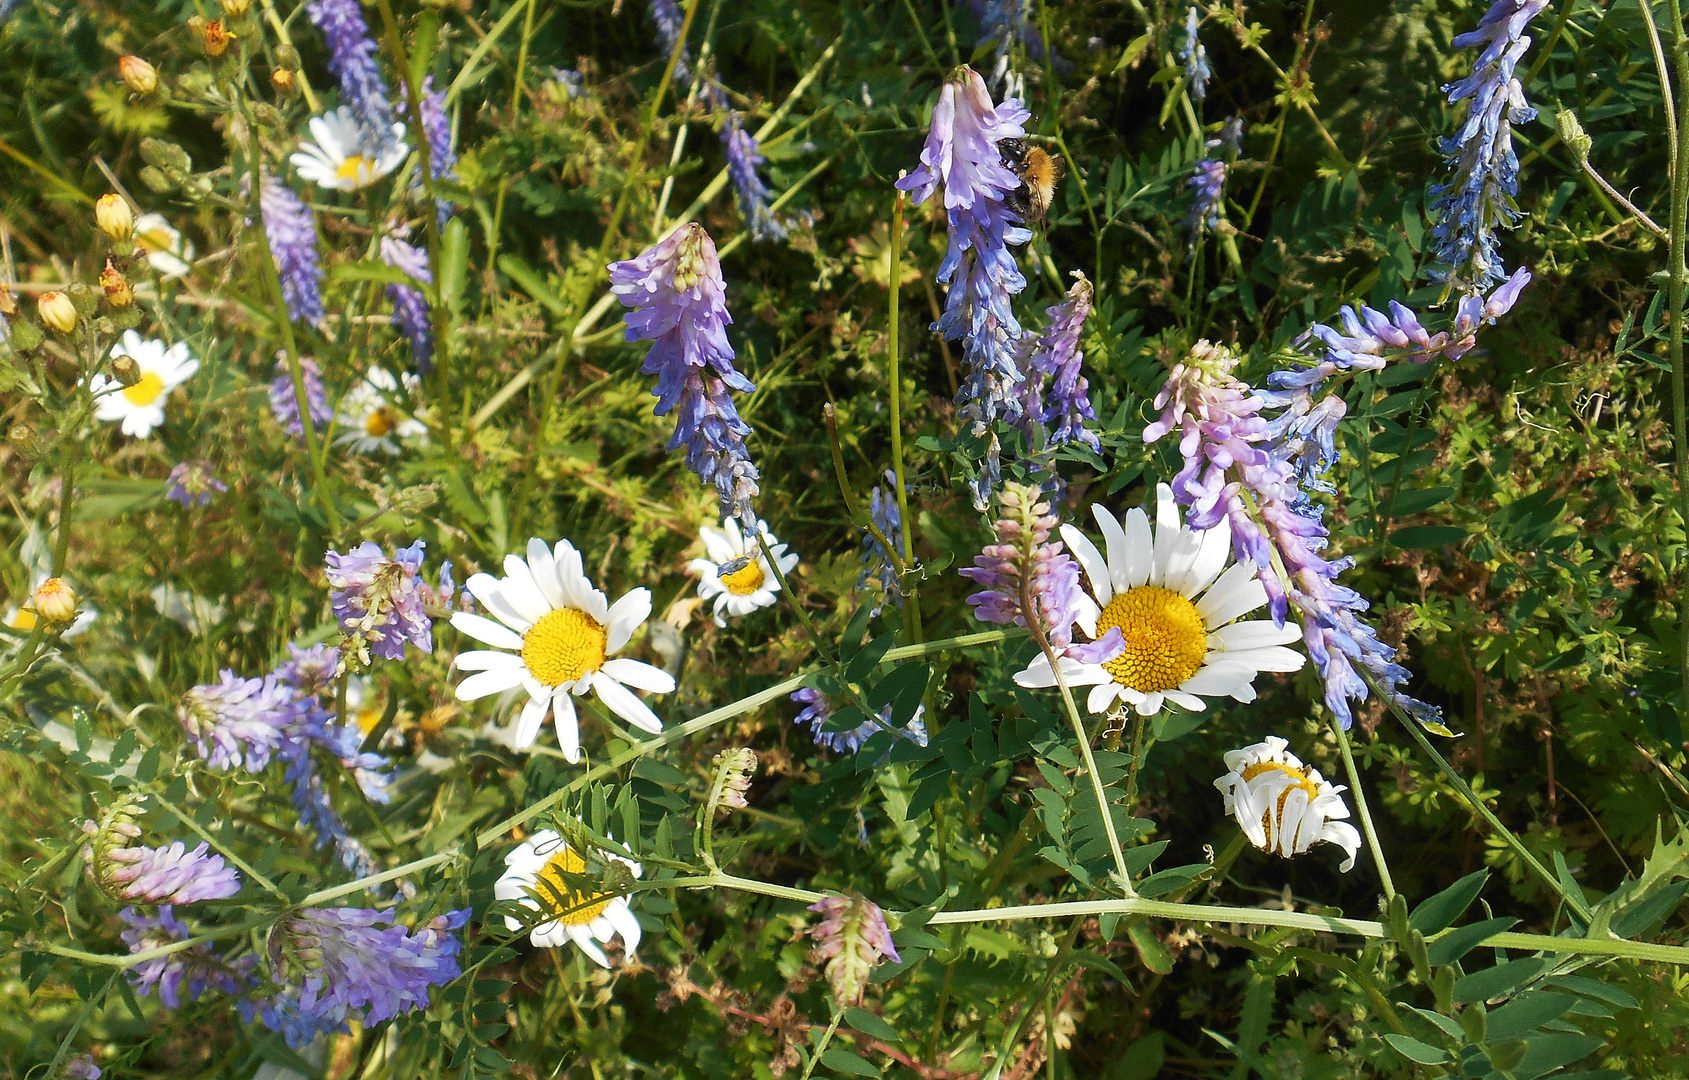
<point>536,879</point>
<point>344,156</point>
<point>1176,611</point>
<point>560,632</point>
<point>372,419</point>
<point>167,252</point>
<point>737,575</point>
<point>1284,806</point>
<point>141,407</point>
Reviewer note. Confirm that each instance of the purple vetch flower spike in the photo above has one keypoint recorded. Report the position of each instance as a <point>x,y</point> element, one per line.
<point>376,600</point>
<point>1479,196</point>
<point>437,127</point>
<point>818,709</point>
<point>678,302</point>
<point>170,875</point>
<point>180,975</point>
<point>192,483</point>
<point>1208,187</point>
<point>237,723</point>
<point>291,229</point>
<point>1054,354</point>
<point>410,306</point>
<point>961,154</point>
<point>80,1067</point>
<point>669,19</point>
<point>284,403</point>
<point>876,560</point>
<point>332,965</point>
<point>310,671</point>
<point>1195,57</point>
<point>851,939</point>
<point>743,158</point>
<point>352,58</point>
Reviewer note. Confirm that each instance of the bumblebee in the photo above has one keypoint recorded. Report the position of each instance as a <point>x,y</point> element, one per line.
<point>1038,173</point>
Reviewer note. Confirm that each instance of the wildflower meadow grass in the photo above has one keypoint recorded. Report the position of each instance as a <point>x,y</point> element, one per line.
<point>950,539</point>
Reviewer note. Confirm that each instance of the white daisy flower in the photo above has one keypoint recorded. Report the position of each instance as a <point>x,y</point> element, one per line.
<point>737,575</point>
<point>1284,806</point>
<point>1175,609</point>
<point>344,156</point>
<point>536,879</point>
<point>560,633</point>
<point>167,252</point>
<point>370,417</point>
<point>141,407</point>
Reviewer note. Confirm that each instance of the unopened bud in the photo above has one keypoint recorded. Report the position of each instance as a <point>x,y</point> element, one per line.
<point>54,601</point>
<point>234,9</point>
<point>734,768</point>
<point>1572,134</point>
<point>282,79</point>
<point>118,292</point>
<point>24,440</point>
<point>125,370</point>
<point>113,216</point>
<point>57,311</point>
<point>138,75</point>
<point>412,501</point>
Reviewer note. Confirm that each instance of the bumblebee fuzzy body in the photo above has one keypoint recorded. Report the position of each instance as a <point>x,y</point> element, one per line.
<point>1038,173</point>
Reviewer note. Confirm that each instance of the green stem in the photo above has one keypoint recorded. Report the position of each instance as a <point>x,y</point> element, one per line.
<point>1647,9</point>
<point>821,1047</point>
<point>240,864</point>
<point>911,603</point>
<point>1366,815</point>
<point>1679,283</point>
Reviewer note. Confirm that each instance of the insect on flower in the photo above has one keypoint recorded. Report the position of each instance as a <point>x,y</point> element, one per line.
<point>1038,173</point>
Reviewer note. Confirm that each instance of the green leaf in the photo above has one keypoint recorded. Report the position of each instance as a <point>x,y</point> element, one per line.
<point>454,263</point>
<point>1498,981</point>
<point>841,1060</point>
<point>1409,503</point>
<point>1416,1051</point>
<point>659,772</point>
<point>1129,56</point>
<point>866,1022</point>
<point>1547,1052</point>
<point>1440,911</point>
<point>1150,949</point>
<point>1427,536</point>
<point>1457,943</point>
<point>1519,1017</point>
<point>1142,1060</point>
<point>1593,988</point>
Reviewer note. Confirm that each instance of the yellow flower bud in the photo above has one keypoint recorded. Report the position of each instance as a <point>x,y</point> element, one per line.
<point>113,216</point>
<point>57,311</point>
<point>54,601</point>
<point>234,9</point>
<point>118,292</point>
<point>282,79</point>
<point>138,75</point>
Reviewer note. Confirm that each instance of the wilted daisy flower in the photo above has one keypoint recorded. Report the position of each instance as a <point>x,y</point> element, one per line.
<point>560,632</point>
<point>237,723</point>
<point>284,403</point>
<point>180,975</point>
<point>1283,806</point>
<point>347,156</point>
<point>818,710</point>
<point>141,407</point>
<point>850,940</point>
<point>376,600</point>
<point>372,419</point>
<point>1177,612</point>
<point>537,877</point>
<point>737,575</point>
<point>166,250</point>
<point>192,483</point>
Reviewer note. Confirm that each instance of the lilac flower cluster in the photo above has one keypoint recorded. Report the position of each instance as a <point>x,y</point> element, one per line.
<point>1208,189</point>
<point>678,302</point>
<point>170,875</point>
<point>1004,24</point>
<point>818,709</point>
<point>377,602</point>
<point>238,723</point>
<point>961,154</point>
<point>876,560</point>
<point>1480,195</point>
<point>80,1067</point>
<point>192,483</point>
<point>1024,565</point>
<point>1055,355</point>
<point>291,229</point>
<point>352,58</point>
<point>670,19</point>
<point>328,966</point>
<point>437,128</point>
<point>284,403</point>
<point>1195,57</point>
<point>851,939</point>
<point>186,973</point>
<point>410,306</point>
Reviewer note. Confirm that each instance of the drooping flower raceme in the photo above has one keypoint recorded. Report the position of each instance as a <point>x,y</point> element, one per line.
<point>1208,189</point>
<point>818,710</point>
<point>140,407</point>
<point>410,306</point>
<point>376,600</point>
<point>291,229</point>
<point>192,483</point>
<point>1195,57</point>
<point>179,975</point>
<point>1054,355</point>
<point>670,20</point>
<point>537,876</point>
<point>678,302</point>
<point>284,403</point>
<point>1283,806</point>
<point>1176,603</point>
<point>736,576</point>
<point>352,59</point>
<point>237,723</point>
<point>876,560</point>
<point>1479,195</point>
<point>851,939</point>
<point>961,154</point>
<point>169,875</point>
<point>560,633</point>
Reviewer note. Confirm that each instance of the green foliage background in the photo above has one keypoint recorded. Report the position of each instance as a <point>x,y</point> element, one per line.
<point>1512,516</point>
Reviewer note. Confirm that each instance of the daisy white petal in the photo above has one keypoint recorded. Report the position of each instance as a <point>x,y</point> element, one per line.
<point>1119,548</point>
<point>1096,567</point>
<point>1238,592</point>
<point>620,700</point>
<point>639,675</point>
<point>487,683</point>
<point>532,719</point>
<point>628,615</point>
<point>486,631</point>
<point>1257,634</point>
<point>1140,548</point>
<point>568,727</point>
<point>487,660</point>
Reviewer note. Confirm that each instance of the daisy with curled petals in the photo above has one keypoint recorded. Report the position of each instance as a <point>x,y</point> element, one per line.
<point>141,407</point>
<point>1283,806</point>
<point>737,575</point>
<point>538,878</point>
<point>345,155</point>
<point>1177,612</point>
<point>372,419</point>
<point>560,633</point>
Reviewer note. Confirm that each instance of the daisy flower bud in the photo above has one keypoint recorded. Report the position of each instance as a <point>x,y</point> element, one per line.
<point>1283,806</point>
<point>138,75</point>
<point>234,9</point>
<point>54,600</point>
<point>850,940</point>
<point>57,311</point>
<point>113,216</point>
<point>733,776</point>
<point>282,79</point>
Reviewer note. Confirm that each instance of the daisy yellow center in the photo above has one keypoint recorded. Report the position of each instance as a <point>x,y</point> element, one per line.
<point>742,576</point>
<point>380,421</point>
<point>146,391</point>
<point>1299,780</point>
<point>22,620</point>
<point>367,719</point>
<point>1165,638</point>
<point>563,646</point>
<point>572,907</point>
<point>351,167</point>
<point>156,240</point>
